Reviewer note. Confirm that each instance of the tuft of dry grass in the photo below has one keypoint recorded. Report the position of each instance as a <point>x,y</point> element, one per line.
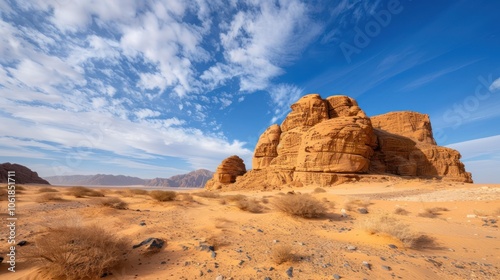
<point>47,190</point>
<point>352,204</point>
<point>83,192</point>
<point>392,226</point>
<point>46,197</point>
<point>234,197</point>
<point>163,195</point>
<point>281,254</point>
<point>185,197</point>
<point>432,212</point>
<point>114,202</point>
<point>137,192</point>
<point>401,211</point>
<point>301,205</point>
<point>319,190</point>
<point>249,205</point>
<point>20,188</point>
<point>207,194</point>
<point>78,252</point>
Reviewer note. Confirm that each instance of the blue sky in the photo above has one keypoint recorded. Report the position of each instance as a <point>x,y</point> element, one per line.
<point>158,88</point>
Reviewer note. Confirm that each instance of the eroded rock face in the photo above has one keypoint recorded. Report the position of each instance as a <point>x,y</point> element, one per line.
<point>266,148</point>
<point>308,111</point>
<point>330,141</point>
<point>413,125</point>
<point>226,172</point>
<point>342,144</point>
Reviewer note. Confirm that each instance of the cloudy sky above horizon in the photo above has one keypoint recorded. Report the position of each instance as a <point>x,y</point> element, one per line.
<point>158,88</point>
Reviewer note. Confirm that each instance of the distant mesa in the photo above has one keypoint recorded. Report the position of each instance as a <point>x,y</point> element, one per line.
<point>23,175</point>
<point>194,179</point>
<point>330,141</point>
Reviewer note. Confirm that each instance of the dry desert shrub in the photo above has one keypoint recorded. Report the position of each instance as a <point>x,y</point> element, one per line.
<point>432,212</point>
<point>234,197</point>
<point>392,226</point>
<point>301,205</point>
<point>185,197</point>
<point>46,197</point>
<point>163,195</point>
<point>353,204</point>
<point>400,211</point>
<point>281,254</point>
<point>319,190</point>
<point>20,188</point>
<point>250,205</point>
<point>114,202</point>
<point>78,252</point>
<point>137,191</point>
<point>83,192</point>
<point>47,190</point>
<point>207,194</point>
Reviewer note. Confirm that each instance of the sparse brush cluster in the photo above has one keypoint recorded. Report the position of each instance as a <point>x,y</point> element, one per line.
<point>79,192</point>
<point>46,197</point>
<point>301,205</point>
<point>78,252</point>
<point>163,196</point>
<point>114,202</point>
<point>392,226</point>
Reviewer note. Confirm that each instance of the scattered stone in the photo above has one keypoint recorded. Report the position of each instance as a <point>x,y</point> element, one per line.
<point>385,267</point>
<point>326,265</point>
<point>267,278</point>
<point>153,244</point>
<point>259,230</point>
<point>1,259</point>
<point>346,265</point>
<point>220,277</point>
<point>351,248</point>
<point>363,210</point>
<point>276,241</point>
<point>271,268</point>
<point>382,258</point>
<point>336,276</point>
<point>201,273</point>
<point>163,262</point>
<point>392,246</point>
<point>289,272</point>
<point>214,254</point>
<point>471,216</point>
<point>142,223</point>
<point>343,212</point>
<point>241,262</point>
<point>209,270</point>
<point>367,265</point>
<point>22,243</point>
<point>459,266</point>
<point>487,236</point>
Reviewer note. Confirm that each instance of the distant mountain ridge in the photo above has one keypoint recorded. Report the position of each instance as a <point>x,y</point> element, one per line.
<point>194,179</point>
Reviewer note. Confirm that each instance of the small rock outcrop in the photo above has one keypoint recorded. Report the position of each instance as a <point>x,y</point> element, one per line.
<point>330,141</point>
<point>23,175</point>
<point>226,172</point>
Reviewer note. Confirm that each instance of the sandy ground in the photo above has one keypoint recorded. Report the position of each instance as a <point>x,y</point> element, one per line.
<point>467,236</point>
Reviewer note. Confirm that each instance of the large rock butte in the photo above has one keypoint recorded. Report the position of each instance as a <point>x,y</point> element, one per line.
<point>23,175</point>
<point>329,141</point>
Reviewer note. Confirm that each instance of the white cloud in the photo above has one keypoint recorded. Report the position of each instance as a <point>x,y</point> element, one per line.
<point>478,147</point>
<point>282,97</point>
<point>146,113</point>
<point>495,85</point>
<point>255,52</point>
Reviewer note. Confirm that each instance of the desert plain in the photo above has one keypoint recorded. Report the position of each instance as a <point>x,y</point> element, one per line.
<point>383,229</point>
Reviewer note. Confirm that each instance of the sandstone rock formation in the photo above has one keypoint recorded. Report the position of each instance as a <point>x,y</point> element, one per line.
<point>23,175</point>
<point>329,141</point>
<point>226,172</point>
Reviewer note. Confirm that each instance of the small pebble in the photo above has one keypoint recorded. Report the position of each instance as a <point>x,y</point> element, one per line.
<point>336,276</point>
<point>289,272</point>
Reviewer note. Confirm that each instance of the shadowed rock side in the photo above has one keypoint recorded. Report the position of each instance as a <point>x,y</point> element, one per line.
<point>23,175</point>
<point>330,141</point>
